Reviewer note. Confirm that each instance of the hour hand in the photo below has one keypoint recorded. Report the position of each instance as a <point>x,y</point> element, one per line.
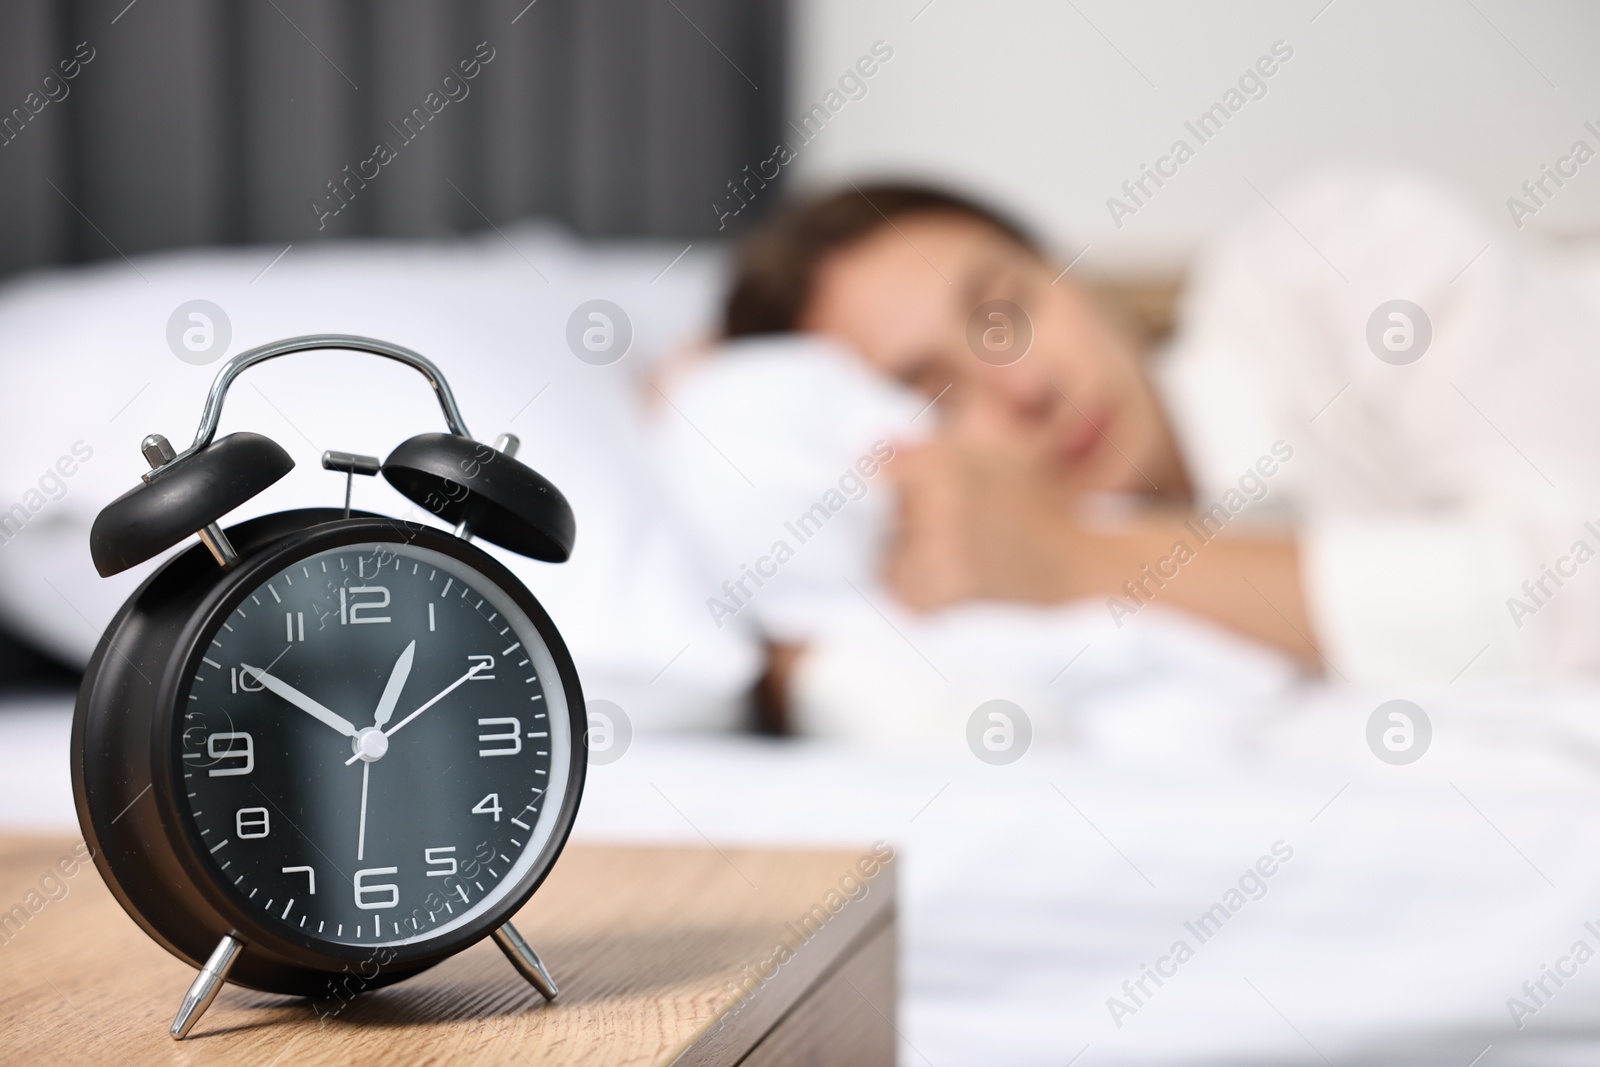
<point>300,700</point>
<point>397,682</point>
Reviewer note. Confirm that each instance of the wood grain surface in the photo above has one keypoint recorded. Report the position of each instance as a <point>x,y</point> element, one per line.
<point>664,955</point>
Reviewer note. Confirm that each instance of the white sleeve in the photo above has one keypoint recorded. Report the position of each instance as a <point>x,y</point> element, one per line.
<point>1425,493</point>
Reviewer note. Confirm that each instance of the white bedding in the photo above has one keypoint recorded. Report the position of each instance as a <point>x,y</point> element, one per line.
<point>1415,903</point>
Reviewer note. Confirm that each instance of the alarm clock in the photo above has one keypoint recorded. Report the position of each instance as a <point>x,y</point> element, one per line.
<point>322,750</point>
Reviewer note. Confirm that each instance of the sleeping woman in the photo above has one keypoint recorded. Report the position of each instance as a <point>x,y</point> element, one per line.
<point>1366,448</point>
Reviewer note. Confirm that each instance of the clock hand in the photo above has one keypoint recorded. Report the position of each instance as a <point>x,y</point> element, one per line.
<point>446,691</point>
<point>361,835</point>
<point>397,682</point>
<point>300,700</point>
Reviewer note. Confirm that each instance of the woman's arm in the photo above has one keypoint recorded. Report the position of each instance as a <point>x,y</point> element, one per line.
<point>1248,583</point>
<point>975,524</point>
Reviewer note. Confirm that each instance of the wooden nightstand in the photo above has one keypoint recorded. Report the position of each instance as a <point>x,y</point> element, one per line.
<point>756,957</point>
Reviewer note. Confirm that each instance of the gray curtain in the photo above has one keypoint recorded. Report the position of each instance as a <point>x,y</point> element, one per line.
<point>200,122</point>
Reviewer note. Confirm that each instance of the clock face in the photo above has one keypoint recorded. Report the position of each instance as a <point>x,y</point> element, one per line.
<point>375,746</point>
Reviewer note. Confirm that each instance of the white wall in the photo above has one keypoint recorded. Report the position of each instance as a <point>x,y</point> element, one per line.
<point>1026,101</point>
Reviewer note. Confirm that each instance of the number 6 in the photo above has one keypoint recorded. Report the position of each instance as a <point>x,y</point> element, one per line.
<point>362,889</point>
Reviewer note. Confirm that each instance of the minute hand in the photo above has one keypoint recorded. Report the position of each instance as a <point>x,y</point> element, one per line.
<point>446,691</point>
<point>300,700</point>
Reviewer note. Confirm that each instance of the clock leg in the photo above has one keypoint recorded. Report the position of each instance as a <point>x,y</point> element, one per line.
<point>525,960</point>
<point>206,984</point>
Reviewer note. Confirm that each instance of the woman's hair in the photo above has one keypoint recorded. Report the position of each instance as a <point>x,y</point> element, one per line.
<point>777,265</point>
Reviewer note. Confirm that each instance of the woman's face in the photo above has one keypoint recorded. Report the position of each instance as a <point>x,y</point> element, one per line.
<point>914,299</point>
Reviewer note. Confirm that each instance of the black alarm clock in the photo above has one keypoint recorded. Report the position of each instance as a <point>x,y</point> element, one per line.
<point>323,750</point>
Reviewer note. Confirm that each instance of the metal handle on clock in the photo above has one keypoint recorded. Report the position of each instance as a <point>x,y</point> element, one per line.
<point>211,417</point>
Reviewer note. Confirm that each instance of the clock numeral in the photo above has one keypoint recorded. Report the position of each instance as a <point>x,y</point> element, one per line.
<point>512,733</point>
<point>293,622</point>
<point>243,681</point>
<point>251,822</point>
<point>436,857</point>
<point>488,666</point>
<point>489,805</point>
<point>364,891</point>
<point>310,874</point>
<point>355,612</point>
<point>231,746</point>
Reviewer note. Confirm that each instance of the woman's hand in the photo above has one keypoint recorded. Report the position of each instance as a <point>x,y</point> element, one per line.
<point>975,522</point>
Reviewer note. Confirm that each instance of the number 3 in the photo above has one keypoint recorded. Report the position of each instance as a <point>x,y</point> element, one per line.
<point>513,734</point>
